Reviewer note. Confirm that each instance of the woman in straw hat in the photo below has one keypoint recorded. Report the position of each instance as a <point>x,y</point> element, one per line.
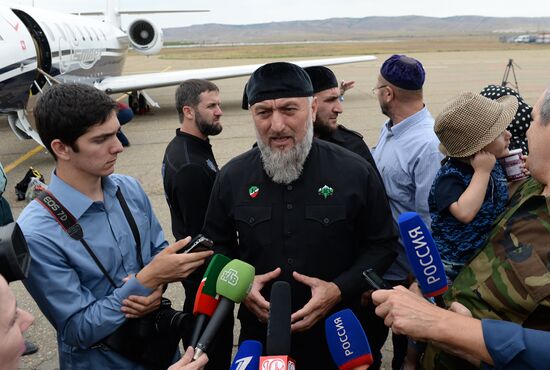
<point>470,190</point>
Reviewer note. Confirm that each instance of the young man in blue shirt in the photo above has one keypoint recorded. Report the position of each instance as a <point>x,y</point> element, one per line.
<point>78,126</point>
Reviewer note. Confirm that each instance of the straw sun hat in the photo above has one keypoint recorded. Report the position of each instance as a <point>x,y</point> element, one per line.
<point>470,121</point>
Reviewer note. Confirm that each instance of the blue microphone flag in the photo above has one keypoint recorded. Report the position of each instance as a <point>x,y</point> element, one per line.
<point>248,356</point>
<point>347,340</point>
<point>422,254</point>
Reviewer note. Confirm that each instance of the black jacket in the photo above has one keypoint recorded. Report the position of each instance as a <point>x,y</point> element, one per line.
<point>333,222</point>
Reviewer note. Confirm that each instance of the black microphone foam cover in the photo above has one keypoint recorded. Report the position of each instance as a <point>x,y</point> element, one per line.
<point>278,325</point>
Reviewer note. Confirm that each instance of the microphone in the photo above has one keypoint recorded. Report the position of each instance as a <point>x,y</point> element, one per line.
<point>206,299</point>
<point>248,356</point>
<point>347,340</point>
<point>278,325</point>
<point>233,285</point>
<point>278,329</point>
<point>423,256</point>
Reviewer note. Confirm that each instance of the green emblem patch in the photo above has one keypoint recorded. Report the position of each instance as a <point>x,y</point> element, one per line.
<point>326,191</point>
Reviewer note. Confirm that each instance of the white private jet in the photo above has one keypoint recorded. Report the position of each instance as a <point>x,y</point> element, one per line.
<point>39,47</point>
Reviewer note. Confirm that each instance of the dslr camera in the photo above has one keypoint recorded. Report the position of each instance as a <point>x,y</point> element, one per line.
<point>15,258</point>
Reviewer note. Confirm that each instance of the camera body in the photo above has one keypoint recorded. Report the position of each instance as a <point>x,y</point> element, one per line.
<point>15,258</point>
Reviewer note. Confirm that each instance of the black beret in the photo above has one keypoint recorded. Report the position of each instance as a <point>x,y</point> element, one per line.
<point>404,72</point>
<point>322,78</point>
<point>277,80</point>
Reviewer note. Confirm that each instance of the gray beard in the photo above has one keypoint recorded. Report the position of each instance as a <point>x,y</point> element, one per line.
<point>284,167</point>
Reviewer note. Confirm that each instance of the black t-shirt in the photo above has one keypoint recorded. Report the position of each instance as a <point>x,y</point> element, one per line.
<point>188,170</point>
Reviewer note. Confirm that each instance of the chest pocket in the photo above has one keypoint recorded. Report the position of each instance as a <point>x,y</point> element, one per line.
<point>253,225</point>
<point>326,215</point>
<point>326,227</point>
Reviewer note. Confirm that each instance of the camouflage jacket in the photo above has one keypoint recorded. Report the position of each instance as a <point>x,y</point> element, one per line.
<point>508,279</point>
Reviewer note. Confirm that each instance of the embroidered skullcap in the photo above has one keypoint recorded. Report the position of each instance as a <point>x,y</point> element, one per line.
<point>404,72</point>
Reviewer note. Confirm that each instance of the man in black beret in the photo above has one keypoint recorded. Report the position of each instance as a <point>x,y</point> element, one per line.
<point>329,107</point>
<point>300,210</point>
<point>408,158</point>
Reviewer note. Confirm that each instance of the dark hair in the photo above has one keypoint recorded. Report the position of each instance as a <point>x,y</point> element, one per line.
<point>67,111</point>
<point>188,93</point>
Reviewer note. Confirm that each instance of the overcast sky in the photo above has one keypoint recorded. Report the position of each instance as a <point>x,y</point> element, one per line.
<point>260,11</point>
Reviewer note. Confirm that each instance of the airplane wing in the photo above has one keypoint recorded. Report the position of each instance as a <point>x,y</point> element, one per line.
<point>161,79</point>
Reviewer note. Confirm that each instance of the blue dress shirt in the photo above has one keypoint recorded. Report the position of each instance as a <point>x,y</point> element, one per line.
<point>408,158</point>
<point>513,347</point>
<point>65,282</point>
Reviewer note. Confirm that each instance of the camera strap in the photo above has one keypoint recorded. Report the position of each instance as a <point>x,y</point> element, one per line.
<point>132,224</point>
<point>69,223</point>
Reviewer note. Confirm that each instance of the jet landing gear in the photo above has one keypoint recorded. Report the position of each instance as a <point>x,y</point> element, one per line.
<point>138,103</point>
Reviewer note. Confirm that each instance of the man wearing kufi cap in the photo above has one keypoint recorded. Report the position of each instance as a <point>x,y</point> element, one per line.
<point>408,158</point>
<point>300,210</point>
<point>329,107</point>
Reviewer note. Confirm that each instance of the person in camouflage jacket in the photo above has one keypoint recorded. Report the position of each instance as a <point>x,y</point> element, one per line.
<point>509,278</point>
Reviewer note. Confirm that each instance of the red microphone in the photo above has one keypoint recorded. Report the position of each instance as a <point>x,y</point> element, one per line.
<point>206,299</point>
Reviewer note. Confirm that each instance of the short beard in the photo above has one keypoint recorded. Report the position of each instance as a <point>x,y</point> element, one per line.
<point>322,130</point>
<point>207,128</point>
<point>384,109</point>
<point>284,167</point>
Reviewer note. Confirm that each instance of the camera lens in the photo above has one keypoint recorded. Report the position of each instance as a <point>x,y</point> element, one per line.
<point>170,321</point>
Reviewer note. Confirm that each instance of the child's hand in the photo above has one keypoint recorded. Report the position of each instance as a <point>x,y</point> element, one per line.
<point>483,161</point>
<point>525,168</point>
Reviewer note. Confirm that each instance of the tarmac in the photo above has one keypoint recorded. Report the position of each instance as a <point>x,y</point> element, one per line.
<point>448,73</point>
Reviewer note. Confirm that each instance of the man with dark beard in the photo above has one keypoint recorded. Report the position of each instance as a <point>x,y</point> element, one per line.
<point>329,107</point>
<point>300,210</point>
<point>189,169</point>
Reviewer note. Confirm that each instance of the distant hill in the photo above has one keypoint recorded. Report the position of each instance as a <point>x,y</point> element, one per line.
<point>356,29</point>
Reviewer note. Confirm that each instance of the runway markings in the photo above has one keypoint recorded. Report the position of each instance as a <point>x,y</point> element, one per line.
<point>23,158</point>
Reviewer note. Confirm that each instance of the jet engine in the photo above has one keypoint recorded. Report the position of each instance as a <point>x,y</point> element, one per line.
<point>145,36</point>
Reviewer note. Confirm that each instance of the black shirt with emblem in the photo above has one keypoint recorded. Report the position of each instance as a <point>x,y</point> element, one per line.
<point>333,222</point>
<point>352,141</point>
<point>188,170</point>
